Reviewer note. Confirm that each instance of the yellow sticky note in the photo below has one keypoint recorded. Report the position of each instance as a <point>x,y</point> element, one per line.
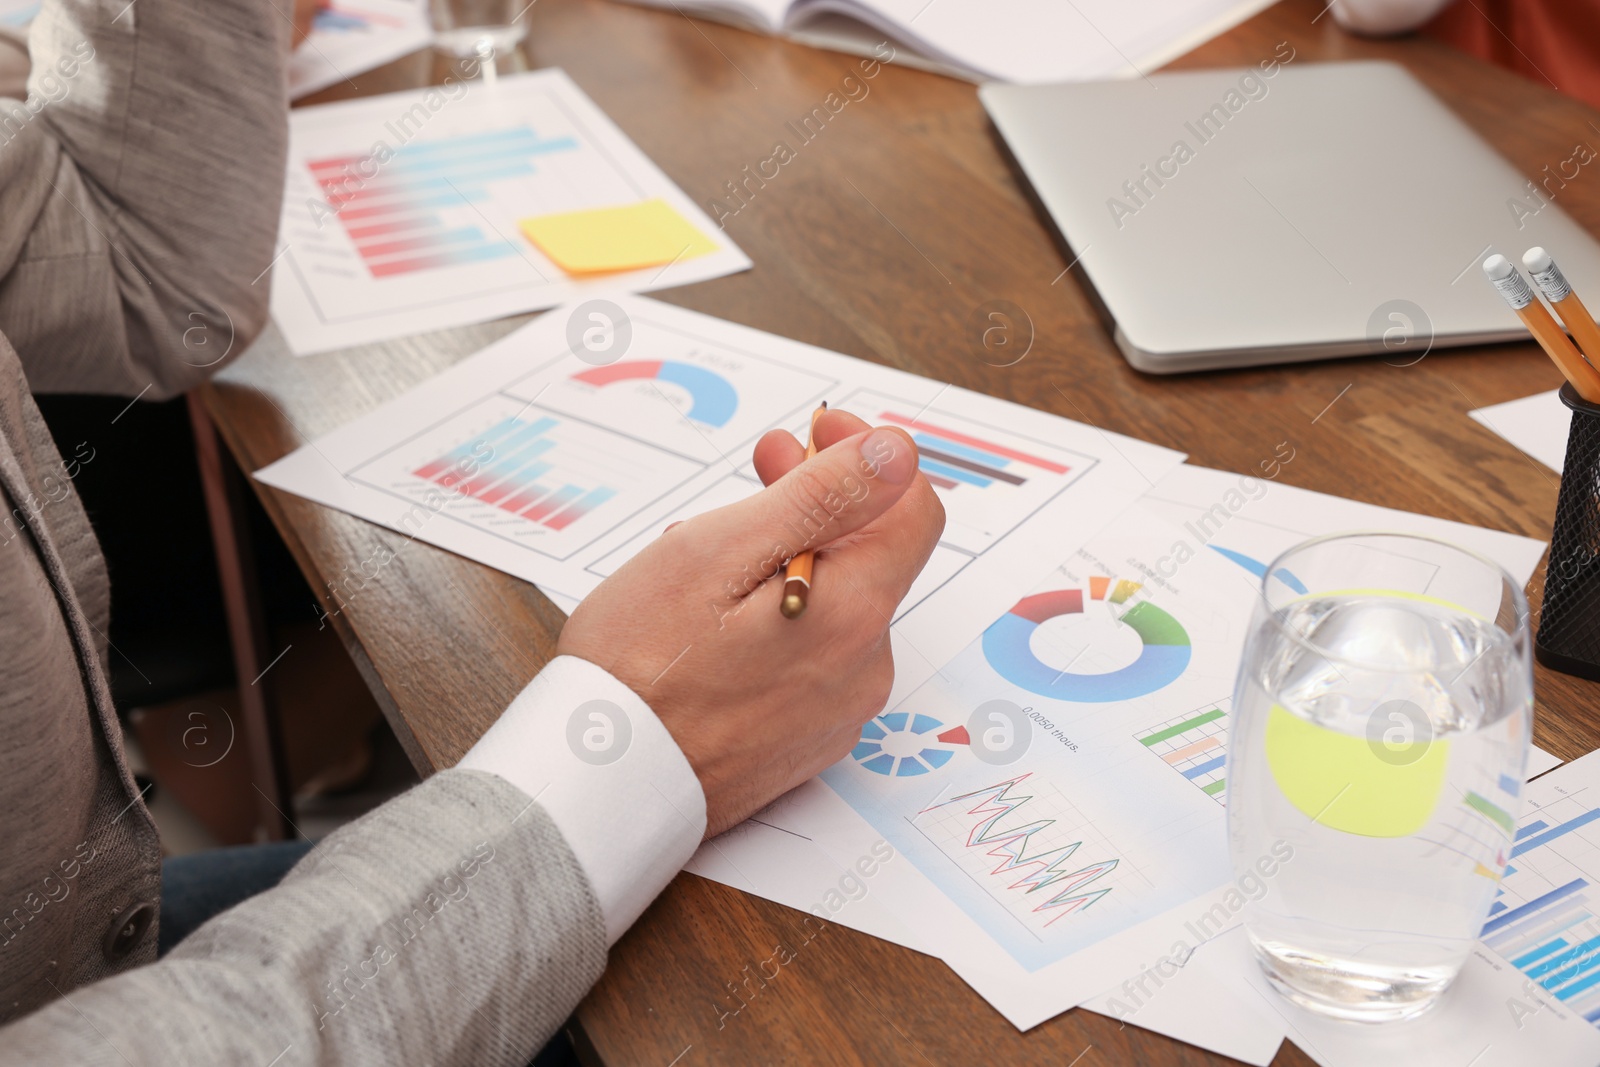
<point>630,237</point>
<point>1341,782</point>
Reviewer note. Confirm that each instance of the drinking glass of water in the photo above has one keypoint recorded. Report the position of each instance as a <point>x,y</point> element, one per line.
<point>485,30</point>
<point>1382,719</point>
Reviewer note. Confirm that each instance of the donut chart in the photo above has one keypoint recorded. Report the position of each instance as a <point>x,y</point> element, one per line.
<point>713,399</point>
<point>1165,656</point>
<point>900,745</point>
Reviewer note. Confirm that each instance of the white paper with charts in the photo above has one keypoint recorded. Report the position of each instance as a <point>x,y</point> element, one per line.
<point>1530,992</point>
<point>1044,880</point>
<point>353,36</point>
<point>576,465</point>
<point>401,211</point>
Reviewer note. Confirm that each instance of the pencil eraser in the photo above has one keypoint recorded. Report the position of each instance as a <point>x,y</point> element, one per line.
<point>1498,267</point>
<point>1537,260</point>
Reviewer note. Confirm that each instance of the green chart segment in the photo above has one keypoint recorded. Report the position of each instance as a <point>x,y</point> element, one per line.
<point>1196,746</point>
<point>1164,655</point>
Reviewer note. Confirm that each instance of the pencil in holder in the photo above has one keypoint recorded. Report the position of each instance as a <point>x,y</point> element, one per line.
<point>1569,626</point>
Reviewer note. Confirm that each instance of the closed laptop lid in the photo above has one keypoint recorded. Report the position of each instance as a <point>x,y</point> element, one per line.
<point>1284,211</point>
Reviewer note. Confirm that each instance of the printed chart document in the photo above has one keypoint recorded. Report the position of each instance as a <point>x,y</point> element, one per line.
<point>532,459</point>
<point>1541,923</point>
<point>1531,991</point>
<point>1536,424</point>
<point>350,38</point>
<point>1006,40</point>
<point>1099,850</point>
<point>403,213</point>
<point>18,13</point>
<point>1491,1017</point>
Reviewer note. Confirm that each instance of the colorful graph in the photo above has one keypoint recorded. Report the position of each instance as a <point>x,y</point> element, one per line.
<point>1259,569</point>
<point>349,20</point>
<point>1011,843</point>
<point>713,399</point>
<point>394,209</point>
<point>1544,920</point>
<point>951,459</point>
<point>1196,746</point>
<point>1007,645</point>
<point>508,466</point>
<point>900,745</point>
<point>19,12</point>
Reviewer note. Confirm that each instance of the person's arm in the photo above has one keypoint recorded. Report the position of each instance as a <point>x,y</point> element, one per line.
<point>13,62</point>
<point>140,184</point>
<point>1382,18</point>
<point>461,922</point>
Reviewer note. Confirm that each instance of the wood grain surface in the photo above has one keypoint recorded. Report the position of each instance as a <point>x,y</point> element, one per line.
<point>880,240</point>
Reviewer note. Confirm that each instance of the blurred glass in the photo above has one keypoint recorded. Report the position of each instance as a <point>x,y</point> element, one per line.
<point>487,30</point>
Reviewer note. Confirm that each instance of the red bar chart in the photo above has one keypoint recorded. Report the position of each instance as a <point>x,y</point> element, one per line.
<point>404,211</point>
<point>520,482</point>
<point>989,478</point>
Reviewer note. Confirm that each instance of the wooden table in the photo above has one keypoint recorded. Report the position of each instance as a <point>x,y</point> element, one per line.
<point>880,240</point>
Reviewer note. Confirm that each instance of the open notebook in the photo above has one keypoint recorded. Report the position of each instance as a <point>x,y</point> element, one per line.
<point>1025,41</point>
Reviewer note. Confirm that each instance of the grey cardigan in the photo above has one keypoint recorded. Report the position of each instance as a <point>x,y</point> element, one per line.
<point>139,193</point>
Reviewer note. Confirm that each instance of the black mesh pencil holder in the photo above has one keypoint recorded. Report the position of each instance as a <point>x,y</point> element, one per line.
<point>1569,627</point>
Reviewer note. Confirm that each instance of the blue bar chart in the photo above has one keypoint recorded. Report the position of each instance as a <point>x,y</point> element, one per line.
<point>407,217</point>
<point>528,475</point>
<point>1546,919</point>
<point>989,478</point>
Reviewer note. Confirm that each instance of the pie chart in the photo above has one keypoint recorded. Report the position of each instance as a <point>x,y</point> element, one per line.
<point>900,744</point>
<point>713,399</point>
<point>1007,645</point>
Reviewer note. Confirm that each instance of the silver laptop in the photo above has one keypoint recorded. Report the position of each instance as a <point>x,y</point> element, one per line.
<point>1227,218</point>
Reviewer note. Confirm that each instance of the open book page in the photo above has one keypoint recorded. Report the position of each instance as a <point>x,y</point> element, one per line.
<point>763,16</point>
<point>1032,41</point>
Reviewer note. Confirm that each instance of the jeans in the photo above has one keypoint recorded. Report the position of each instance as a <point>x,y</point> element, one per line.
<point>204,884</point>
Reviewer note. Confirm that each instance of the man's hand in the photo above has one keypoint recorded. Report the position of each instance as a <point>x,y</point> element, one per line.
<point>757,702</point>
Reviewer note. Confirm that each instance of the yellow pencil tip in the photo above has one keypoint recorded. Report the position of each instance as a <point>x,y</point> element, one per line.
<point>793,606</point>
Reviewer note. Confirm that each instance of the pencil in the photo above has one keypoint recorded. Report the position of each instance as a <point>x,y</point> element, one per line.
<point>797,575</point>
<point>1556,289</point>
<point>1514,287</point>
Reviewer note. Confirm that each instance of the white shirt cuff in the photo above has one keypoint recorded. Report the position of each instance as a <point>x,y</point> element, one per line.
<point>617,786</point>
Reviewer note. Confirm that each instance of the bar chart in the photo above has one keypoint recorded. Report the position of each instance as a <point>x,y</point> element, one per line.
<point>989,478</point>
<point>418,211</point>
<point>1545,920</point>
<point>528,475</point>
<point>402,212</point>
<point>1196,746</point>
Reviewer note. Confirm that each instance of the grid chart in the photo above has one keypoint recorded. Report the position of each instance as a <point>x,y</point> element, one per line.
<point>1545,921</point>
<point>1196,746</point>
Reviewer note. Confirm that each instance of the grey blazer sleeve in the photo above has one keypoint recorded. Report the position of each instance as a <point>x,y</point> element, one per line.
<point>140,184</point>
<point>450,926</point>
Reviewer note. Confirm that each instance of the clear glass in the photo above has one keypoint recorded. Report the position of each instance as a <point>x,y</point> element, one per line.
<point>486,30</point>
<point>1383,712</point>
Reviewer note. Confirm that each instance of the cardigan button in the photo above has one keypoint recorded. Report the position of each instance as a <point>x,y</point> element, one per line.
<point>127,930</point>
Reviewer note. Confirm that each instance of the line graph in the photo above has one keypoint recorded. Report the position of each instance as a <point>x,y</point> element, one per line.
<point>979,826</point>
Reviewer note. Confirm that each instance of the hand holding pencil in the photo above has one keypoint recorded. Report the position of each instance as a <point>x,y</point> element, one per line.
<point>692,623</point>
